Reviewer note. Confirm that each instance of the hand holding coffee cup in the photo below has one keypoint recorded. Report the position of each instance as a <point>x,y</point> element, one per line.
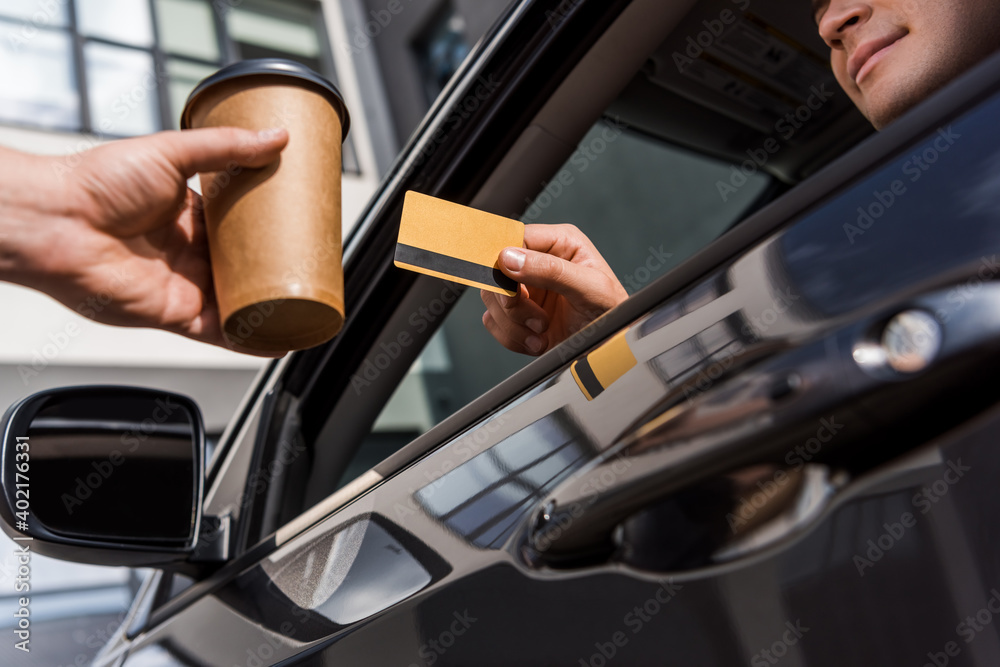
<point>274,233</point>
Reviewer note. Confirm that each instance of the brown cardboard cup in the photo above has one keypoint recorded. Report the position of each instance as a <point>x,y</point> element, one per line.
<point>274,233</point>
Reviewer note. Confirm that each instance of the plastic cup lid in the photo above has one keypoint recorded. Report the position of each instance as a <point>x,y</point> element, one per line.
<point>270,67</point>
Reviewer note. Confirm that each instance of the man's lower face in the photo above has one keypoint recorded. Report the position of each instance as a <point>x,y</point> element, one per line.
<point>943,39</point>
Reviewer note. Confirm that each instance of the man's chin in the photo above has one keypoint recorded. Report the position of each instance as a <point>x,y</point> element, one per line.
<point>897,90</point>
<point>881,117</point>
<point>883,104</point>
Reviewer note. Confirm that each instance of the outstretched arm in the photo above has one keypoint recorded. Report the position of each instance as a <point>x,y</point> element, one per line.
<point>115,234</point>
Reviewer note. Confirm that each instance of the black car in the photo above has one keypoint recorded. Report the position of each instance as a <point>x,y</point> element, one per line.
<point>781,449</point>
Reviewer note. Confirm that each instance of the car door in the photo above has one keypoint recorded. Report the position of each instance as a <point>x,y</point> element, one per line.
<point>779,451</point>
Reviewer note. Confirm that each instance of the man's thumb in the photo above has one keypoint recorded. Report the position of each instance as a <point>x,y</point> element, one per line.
<point>214,149</point>
<point>580,285</point>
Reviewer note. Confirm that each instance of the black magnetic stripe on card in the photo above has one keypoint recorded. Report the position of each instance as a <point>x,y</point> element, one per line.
<point>587,377</point>
<point>460,268</point>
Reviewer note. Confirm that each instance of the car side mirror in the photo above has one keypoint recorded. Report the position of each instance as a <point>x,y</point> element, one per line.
<point>103,475</point>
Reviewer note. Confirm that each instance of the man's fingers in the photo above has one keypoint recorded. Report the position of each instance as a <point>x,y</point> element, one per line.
<point>205,328</point>
<point>215,149</point>
<point>520,309</point>
<point>565,241</point>
<point>586,288</point>
<point>510,331</point>
<point>522,344</point>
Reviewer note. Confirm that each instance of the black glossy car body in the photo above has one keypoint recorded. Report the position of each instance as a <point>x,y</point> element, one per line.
<point>765,484</point>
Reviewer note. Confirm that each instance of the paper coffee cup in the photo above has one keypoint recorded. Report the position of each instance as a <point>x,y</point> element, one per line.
<point>274,233</point>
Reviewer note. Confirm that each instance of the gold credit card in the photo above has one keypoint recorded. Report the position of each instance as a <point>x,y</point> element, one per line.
<point>604,366</point>
<point>457,243</point>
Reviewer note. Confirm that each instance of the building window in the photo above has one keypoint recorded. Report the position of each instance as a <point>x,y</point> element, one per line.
<point>440,50</point>
<point>120,68</point>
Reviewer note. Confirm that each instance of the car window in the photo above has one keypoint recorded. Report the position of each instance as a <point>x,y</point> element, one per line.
<point>646,204</point>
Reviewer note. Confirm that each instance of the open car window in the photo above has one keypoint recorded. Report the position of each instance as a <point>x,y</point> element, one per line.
<point>647,205</point>
<point>658,173</point>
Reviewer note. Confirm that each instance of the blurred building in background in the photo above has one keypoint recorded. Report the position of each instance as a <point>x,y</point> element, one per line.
<point>412,47</point>
<point>76,73</point>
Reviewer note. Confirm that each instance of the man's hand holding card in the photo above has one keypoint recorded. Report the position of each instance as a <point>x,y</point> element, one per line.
<point>565,283</point>
<point>456,243</point>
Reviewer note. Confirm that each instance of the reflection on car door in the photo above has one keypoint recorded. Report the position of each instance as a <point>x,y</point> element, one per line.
<point>873,555</point>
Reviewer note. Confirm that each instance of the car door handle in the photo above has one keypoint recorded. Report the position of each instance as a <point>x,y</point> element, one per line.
<point>676,449</point>
<point>836,390</point>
